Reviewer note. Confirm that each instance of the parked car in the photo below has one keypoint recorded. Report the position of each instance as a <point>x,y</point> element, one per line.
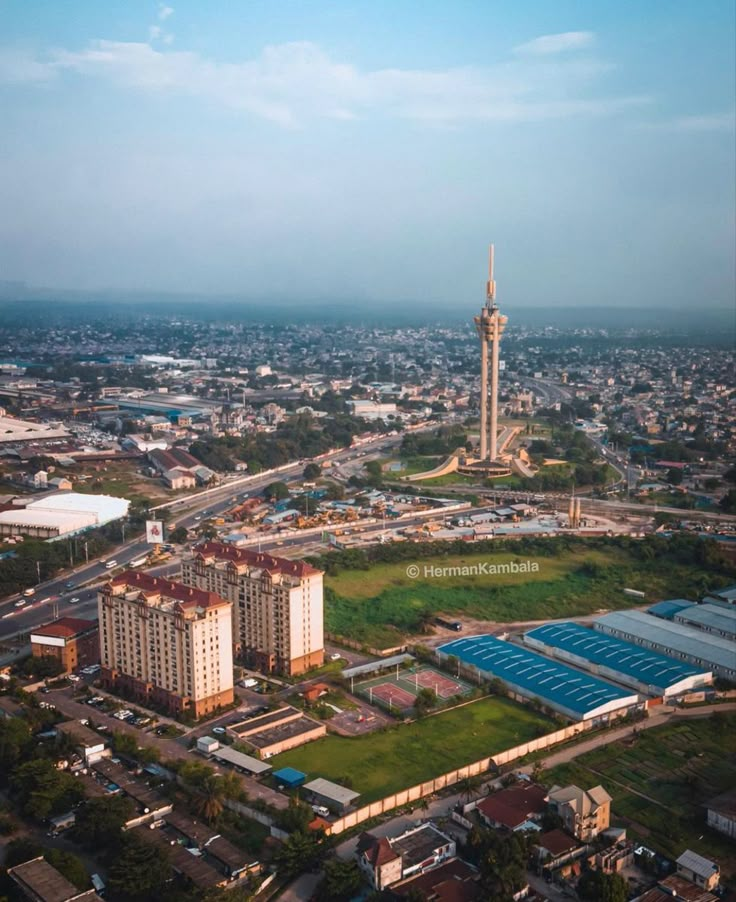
<point>218,731</point>
<point>74,678</point>
<point>335,656</point>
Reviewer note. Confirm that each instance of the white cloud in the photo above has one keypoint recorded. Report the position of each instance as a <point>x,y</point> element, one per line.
<point>549,44</point>
<point>707,123</point>
<point>164,12</point>
<point>293,82</point>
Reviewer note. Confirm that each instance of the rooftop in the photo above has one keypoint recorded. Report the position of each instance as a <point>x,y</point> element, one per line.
<point>151,586</point>
<point>244,762</point>
<point>66,628</point>
<point>40,880</point>
<point>679,638</point>
<point>334,791</point>
<point>416,845</point>
<point>257,559</point>
<point>572,690</point>
<point>710,617</point>
<point>667,609</point>
<point>642,665</point>
<point>698,864</point>
<point>514,805</point>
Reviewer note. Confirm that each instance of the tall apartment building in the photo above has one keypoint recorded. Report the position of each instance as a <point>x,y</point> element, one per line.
<point>166,643</point>
<point>277,604</point>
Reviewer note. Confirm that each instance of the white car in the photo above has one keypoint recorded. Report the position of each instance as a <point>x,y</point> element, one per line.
<point>20,603</point>
<point>219,731</point>
<point>74,678</point>
<point>75,600</point>
<point>335,656</point>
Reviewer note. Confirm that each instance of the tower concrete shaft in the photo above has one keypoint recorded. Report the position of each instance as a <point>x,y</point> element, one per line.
<point>489,325</point>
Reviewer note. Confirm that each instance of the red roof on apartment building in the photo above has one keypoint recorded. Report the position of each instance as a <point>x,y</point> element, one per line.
<point>259,559</point>
<point>65,628</point>
<point>157,585</point>
<point>512,806</point>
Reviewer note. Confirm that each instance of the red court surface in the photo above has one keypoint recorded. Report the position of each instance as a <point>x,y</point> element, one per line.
<point>393,694</point>
<point>442,685</point>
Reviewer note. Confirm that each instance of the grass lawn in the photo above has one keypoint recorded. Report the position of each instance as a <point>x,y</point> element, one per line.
<point>681,766</point>
<point>384,762</point>
<point>382,605</point>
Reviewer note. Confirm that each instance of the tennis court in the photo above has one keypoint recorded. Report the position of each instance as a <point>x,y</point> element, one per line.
<point>396,690</point>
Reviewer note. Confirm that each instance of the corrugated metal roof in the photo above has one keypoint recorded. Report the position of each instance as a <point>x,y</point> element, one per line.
<point>710,617</point>
<point>672,637</point>
<point>539,676</point>
<point>645,666</point>
<point>667,609</point>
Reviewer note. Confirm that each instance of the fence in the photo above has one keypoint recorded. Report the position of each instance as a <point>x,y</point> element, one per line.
<point>414,793</point>
<point>359,646</point>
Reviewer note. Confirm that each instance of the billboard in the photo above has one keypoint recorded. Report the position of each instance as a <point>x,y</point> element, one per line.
<point>154,532</point>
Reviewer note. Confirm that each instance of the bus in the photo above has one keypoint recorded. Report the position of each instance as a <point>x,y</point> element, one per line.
<point>139,561</point>
<point>111,565</point>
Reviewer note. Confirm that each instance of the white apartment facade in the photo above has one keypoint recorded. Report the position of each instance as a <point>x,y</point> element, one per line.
<point>166,643</point>
<point>277,605</point>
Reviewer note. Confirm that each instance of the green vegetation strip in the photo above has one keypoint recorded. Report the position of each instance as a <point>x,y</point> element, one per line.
<point>384,762</point>
<point>375,601</point>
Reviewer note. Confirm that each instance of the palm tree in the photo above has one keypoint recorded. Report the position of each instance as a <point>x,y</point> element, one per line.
<point>469,786</point>
<point>213,791</point>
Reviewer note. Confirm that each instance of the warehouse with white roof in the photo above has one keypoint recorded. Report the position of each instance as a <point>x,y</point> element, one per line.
<point>62,514</point>
<point>676,640</point>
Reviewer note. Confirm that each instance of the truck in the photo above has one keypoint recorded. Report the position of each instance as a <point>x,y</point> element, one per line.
<point>61,823</point>
<point>139,561</point>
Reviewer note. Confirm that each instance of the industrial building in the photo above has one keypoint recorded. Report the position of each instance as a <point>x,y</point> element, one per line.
<point>166,643</point>
<point>673,639</point>
<point>15,430</point>
<point>277,604</point>
<point>577,695</point>
<point>332,795</point>
<point>645,671</point>
<point>277,731</point>
<point>718,619</point>
<point>62,514</point>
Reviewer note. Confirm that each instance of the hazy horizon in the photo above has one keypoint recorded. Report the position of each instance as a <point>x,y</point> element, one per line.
<point>278,152</point>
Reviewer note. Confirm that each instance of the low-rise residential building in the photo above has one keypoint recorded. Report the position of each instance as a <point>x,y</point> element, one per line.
<point>388,860</point>
<point>698,870</point>
<point>72,641</point>
<point>514,808</point>
<point>585,812</point>
<point>90,746</point>
<point>41,882</point>
<point>166,643</point>
<point>722,813</point>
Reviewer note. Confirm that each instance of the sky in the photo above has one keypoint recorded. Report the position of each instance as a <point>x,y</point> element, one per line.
<point>359,151</point>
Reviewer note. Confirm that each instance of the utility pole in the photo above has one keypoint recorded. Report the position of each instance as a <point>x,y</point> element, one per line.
<point>86,552</point>
<point>38,570</point>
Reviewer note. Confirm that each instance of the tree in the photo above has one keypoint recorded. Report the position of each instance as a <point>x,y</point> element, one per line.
<point>15,742</point>
<point>99,822</point>
<point>214,789</point>
<point>312,472</point>
<point>595,886</point>
<point>179,535</point>
<point>728,502</point>
<point>674,476</point>
<point>342,881</point>
<point>301,852</point>
<point>43,791</point>
<point>276,491</point>
<point>141,869</point>
<point>296,817</point>
<point>424,702</point>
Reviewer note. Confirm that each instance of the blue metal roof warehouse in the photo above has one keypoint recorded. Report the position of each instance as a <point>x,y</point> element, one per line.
<point>643,670</point>
<point>571,692</point>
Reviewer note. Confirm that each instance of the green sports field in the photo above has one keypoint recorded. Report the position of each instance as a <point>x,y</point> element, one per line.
<point>381,763</point>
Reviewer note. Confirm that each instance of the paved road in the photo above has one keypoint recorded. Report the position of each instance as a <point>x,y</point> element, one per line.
<point>53,596</point>
<point>169,748</point>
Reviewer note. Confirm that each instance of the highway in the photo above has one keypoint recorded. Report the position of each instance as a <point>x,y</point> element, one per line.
<point>54,597</point>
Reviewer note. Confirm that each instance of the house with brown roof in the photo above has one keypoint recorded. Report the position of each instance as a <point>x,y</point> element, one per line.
<point>515,808</point>
<point>41,882</point>
<point>388,860</point>
<point>72,641</point>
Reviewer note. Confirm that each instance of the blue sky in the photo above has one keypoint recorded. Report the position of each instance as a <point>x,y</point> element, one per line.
<point>371,149</point>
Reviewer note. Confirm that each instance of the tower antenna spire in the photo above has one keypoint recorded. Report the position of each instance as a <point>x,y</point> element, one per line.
<point>490,284</point>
